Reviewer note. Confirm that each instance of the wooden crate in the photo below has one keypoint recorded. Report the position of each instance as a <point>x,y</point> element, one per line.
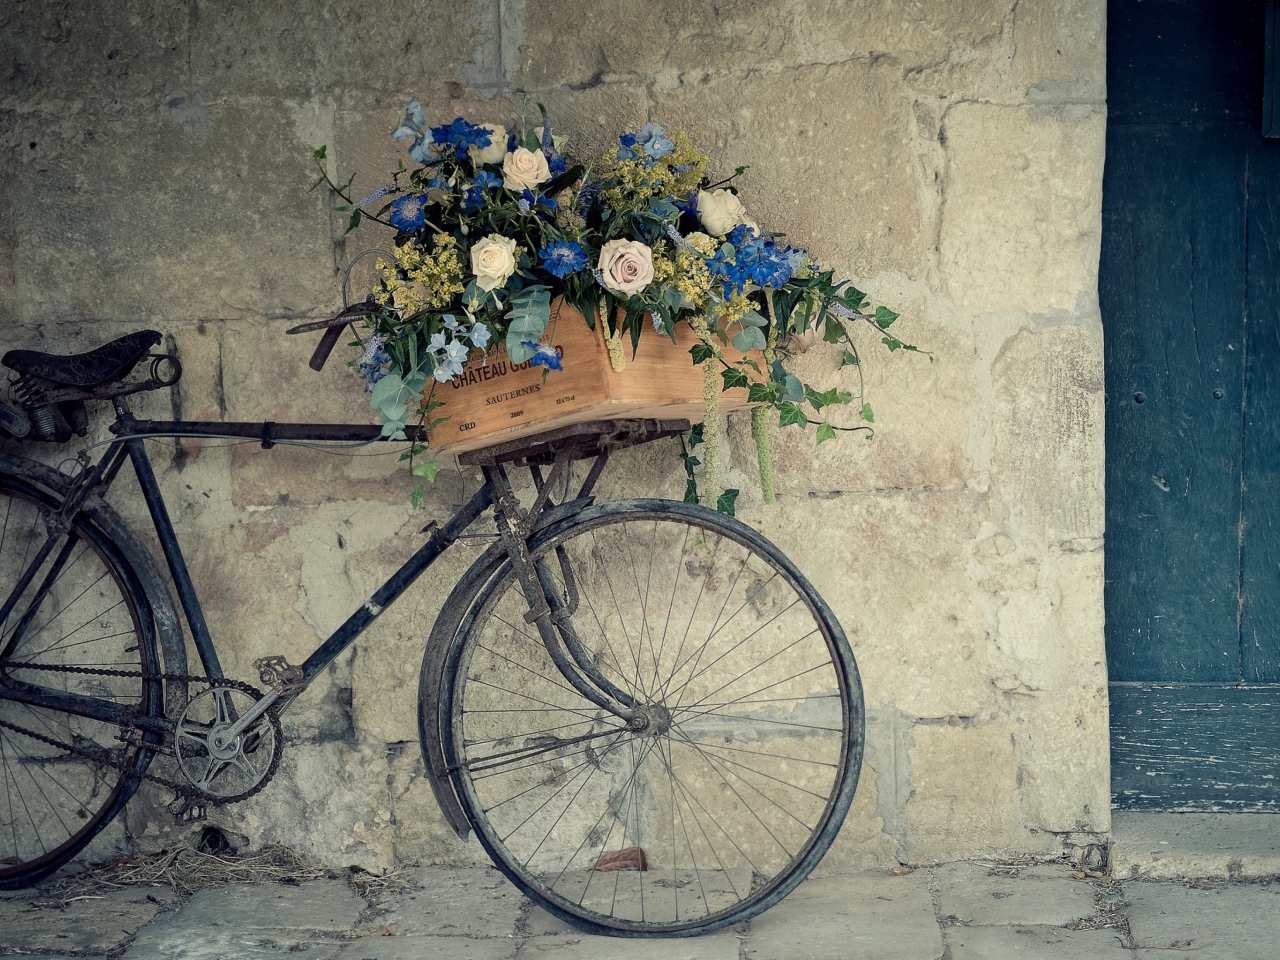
<point>494,400</point>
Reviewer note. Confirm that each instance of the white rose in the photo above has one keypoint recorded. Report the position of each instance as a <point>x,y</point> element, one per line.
<point>626,265</point>
<point>495,151</point>
<point>720,211</point>
<point>522,170</point>
<point>493,260</point>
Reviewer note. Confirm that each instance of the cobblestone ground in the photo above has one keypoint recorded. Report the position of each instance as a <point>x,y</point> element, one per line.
<point>958,911</point>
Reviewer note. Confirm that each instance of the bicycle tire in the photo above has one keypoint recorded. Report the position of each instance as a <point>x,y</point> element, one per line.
<point>95,615</point>
<point>531,800</point>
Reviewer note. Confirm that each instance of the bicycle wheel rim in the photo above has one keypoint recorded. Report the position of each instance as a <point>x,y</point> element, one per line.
<point>738,893</point>
<point>53,803</point>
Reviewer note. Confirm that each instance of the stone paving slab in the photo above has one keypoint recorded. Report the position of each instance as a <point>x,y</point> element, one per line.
<point>871,915</point>
<point>1239,921</point>
<point>985,894</point>
<point>714,946</point>
<point>99,924</point>
<point>471,901</point>
<point>176,942</point>
<point>430,948</point>
<point>1169,846</point>
<point>1034,943</point>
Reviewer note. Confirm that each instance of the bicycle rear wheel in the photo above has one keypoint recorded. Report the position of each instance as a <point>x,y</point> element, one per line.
<point>745,772</point>
<point>64,776</point>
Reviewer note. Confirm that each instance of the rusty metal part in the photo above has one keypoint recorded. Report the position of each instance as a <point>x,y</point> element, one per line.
<point>134,737</point>
<point>280,675</point>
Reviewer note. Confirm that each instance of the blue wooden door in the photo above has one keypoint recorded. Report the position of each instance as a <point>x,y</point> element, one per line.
<point>1190,294</point>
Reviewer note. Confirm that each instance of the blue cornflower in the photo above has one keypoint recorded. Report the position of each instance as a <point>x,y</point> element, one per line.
<point>543,355</point>
<point>733,274</point>
<point>412,128</point>
<point>461,136</point>
<point>563,257</point>
<point>408,213</point>
<point>480,335</point>
<point>653,140</point>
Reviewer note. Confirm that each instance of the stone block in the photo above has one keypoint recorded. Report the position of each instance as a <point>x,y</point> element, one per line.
<point>1047,419</point>
<point>829,152</point>
<point>1040,943</point>
<point>983,894</point>
<point>1059,50</point>
<point>295,49</point>
<point>429,948</point>
<point>1066,761</point>
<point>865,914</point>
<point>197,239</point>
<point>477,902</point>
<point>953,813</point>
<point>1022,207</point>
<point>80,926</point>
<point>923,649</point>
<point>1239,920</point>
<point>57,52</point>
<point>1171,846</point>
<point>864,842</point>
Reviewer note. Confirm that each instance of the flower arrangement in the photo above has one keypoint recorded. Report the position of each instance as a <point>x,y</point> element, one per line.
<point>493,224</point>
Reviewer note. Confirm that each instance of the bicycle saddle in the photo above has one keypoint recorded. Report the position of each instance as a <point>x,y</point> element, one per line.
<point>111,361</point>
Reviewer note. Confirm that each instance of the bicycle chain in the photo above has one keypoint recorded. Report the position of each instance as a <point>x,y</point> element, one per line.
<point>186,791</point>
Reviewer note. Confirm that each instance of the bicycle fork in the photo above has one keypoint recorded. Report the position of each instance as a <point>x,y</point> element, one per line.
<point>548,612</point>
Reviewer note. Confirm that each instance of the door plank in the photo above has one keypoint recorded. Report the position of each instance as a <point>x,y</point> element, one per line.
<point>1171,286</point>
<point>1195,747</point>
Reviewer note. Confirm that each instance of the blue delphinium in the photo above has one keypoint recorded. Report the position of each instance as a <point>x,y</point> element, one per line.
<point>461,136</point>
<point>480,335</point>
<point>528,201</point>
<point>555,165</point>
<point>409,213</point>
<point>733,274</point>
<point>766,263</point>
<point>412,127</point>
<point>649,144</point>
<point>373,363</point>
<point>543,356</point>
<point>487,180</point>
<point>562,257</point>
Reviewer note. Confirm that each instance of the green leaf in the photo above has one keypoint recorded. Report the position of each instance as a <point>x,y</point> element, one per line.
<point>354,221</point>
<point>701,352</point>
<point>319,154</point>
<point>853,297</point>
<point>529,313</point>
<point>761,393</point>
<point>789,413</point>
<point>691,491</point>
<point>753,319</point>
<point>827,398</point>
<point>884,317</point>
<point>892,343</point>
<point>733,377</point>
<point>416,497</point>
<point>726,501</point>
<point>428,469</point>
<point>695,435</point>
<point>794,388</point>
<point>749,338</point>
<point>825,432</point>
<point>849,359</point>
<point>866,413</point>
<point>834,331</point>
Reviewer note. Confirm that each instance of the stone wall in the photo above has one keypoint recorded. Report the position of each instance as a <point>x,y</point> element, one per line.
<point>945,154</point>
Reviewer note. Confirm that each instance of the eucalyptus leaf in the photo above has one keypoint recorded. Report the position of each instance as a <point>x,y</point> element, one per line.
<point>753,319</point>
<point>749,338</point>
<point>530,311</point>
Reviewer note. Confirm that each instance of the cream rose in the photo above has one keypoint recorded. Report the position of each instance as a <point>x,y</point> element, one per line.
<point>720,211</point>
<point>626,266</point>
<point>497,148</point>
<point>493,260</point>
<point>522,170</point>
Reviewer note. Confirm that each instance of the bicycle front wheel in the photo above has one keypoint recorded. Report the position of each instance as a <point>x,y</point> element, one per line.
<point>748,763</point>
<point>72,614</point>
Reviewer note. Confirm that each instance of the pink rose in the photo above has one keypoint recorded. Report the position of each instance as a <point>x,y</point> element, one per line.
<point>626,265</point>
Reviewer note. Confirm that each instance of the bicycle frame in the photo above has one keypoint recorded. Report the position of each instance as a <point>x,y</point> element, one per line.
<point>514,527</point>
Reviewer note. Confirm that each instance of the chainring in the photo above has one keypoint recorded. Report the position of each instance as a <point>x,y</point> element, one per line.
<point>222,768</point>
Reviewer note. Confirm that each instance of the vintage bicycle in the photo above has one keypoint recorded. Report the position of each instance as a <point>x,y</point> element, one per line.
<point>646,713</point>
